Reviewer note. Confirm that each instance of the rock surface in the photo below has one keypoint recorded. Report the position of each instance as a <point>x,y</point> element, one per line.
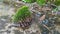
<point>6,12</point>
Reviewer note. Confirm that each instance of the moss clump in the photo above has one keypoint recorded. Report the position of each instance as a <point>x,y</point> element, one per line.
<point>21,14</point>
<point>41,2</point>
<point>57,2</point>
<point>29,1</point>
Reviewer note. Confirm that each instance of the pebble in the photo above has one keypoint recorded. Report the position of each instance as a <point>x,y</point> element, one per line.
<point>3,19</point>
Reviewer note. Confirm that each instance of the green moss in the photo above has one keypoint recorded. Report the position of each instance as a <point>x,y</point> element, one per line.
<point>21,14</point>
<point>29,1</point>
<point>55,10</point>
<point>41,2</point>
<point>57,2</point>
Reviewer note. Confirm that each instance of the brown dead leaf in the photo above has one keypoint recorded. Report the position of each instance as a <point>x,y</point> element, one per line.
<point>42,18</point>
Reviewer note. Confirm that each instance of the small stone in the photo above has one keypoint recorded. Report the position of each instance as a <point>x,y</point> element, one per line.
<point>3,19</point>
